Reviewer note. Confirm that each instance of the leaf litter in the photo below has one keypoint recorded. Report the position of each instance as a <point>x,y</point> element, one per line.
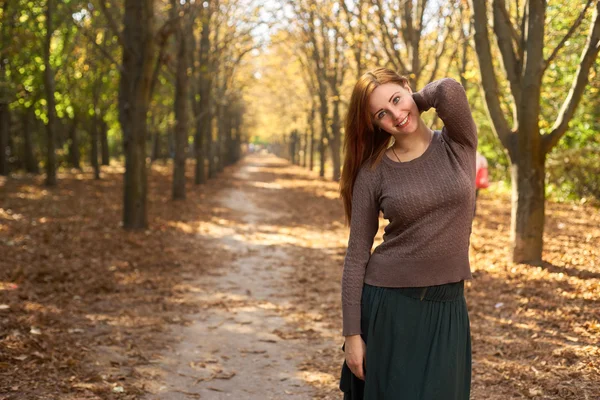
<point>85,303</point>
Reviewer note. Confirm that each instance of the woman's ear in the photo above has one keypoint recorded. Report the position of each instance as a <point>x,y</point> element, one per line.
<point>407,87</point>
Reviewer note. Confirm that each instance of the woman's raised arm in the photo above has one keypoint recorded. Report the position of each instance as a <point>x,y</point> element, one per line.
<point>449,99</point>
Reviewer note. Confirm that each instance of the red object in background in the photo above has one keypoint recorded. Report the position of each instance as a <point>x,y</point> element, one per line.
<point>481,178</point>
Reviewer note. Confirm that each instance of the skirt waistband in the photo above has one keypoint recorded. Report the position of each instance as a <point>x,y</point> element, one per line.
<point>446,292</point>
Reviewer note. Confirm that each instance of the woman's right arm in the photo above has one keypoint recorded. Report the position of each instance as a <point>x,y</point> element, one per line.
<point>363,228</point>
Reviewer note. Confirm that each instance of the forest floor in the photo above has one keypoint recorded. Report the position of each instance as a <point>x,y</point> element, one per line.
<point>235,292</point>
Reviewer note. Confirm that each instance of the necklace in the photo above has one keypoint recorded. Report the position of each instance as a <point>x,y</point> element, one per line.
<point>396,154</point>
<point>398,158</point>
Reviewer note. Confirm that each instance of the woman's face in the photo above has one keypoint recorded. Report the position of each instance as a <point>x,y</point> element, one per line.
<point>393,109</point>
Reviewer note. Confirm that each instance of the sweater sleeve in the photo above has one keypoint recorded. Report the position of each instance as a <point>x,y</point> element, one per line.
<point>363,228</point>
<point>449,99</point>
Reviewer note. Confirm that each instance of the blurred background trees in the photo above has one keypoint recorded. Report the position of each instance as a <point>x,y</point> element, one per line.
<point>86,84</point>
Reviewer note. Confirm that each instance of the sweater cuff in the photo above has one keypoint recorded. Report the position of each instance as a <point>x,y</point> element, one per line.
<point>351,315</point>
<point>421,103</point>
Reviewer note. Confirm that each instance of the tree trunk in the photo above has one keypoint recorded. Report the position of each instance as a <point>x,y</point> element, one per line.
<point>203,130</point>
<point>527,217</point>
<point>181,97</point>
<point>237,141</point>
<point>199,153</point>
<point>74,156</point>
<point>134,96</point>
<point>211,146</point>
<point>6,23</point>
<point>229,143</point>
<point>31,163</point>
<point>335,142</point>
<point>305,149</point>
<point>4,134</point>
<point>221,132</point>
<point>311,125</point>
<point>293,146</point>
<point>324,136</point>
<point>50,101</point>
<point>104,142</point>
<point>155,153</point>
<point>94,128</point>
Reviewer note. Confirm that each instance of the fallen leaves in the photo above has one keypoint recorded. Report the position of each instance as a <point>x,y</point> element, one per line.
<point>83,303</point>
<point>73,282</point>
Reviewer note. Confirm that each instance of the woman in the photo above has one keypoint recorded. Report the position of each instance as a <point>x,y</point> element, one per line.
<point>405,318</point>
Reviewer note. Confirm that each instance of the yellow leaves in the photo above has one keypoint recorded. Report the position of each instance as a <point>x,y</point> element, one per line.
<point>470,74</point>
<point>99,37</point>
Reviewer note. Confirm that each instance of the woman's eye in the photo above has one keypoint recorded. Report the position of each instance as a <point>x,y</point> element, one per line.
<point>396,99</point>
<point>381,115</point>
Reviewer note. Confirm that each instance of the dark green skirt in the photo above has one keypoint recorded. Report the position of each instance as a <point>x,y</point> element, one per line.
<point>418,345</point>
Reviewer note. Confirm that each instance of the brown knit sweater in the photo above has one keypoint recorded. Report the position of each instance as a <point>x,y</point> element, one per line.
<point>429,203</point>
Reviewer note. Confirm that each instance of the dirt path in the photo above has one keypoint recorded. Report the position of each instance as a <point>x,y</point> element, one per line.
<point>237,346</point>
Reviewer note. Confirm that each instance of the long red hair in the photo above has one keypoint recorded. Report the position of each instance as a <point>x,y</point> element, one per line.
<point>363,142</point>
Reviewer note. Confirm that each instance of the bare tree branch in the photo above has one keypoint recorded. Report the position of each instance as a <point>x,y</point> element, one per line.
<point>488,76</point>
<point>513,31</point>
<point>567,36</point>
<point>503,30</point>
<point>441,50</point>
<point>523,31</point>
<point>588,57</point>
<point>387,41</point>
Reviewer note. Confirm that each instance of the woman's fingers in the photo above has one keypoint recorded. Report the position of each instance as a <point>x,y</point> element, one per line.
<point>356,355</point>
<point>358,370</point>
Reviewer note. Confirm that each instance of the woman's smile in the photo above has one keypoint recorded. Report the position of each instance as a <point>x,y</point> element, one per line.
<point>404,122</point>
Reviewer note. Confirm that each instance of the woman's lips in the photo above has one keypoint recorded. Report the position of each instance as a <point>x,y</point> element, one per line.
<point>404,122</point>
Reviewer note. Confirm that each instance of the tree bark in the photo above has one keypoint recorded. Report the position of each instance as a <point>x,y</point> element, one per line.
<point>311,125</point>
<point>134,97</point>
<point>104,142</point>
<point>221,134</point>
<point>527,216</point>
<point>94,128</point>
<point>4,134</point>
<point>6,25</point>
<point>50,101</point>
<point>203,134</point>
<point>335,143</point>
<point>305,149</point>
<point>229,142</point>
<point>31,163</point>
<point>74,156</point>
<point>181,98</point>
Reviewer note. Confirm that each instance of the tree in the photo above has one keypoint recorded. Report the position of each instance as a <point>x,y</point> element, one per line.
<point>50,100</point>
<point>202,103</point>
<point>134,97</point>
<point>521,45</point>
<point>401,32</point>
<point>181,99</point>
<point>7,18</point>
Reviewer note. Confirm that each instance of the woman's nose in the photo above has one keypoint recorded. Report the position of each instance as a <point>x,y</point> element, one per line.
<point>396,113</point>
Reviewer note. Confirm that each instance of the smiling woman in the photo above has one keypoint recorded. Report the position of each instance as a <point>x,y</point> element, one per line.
<point>405,319</point>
